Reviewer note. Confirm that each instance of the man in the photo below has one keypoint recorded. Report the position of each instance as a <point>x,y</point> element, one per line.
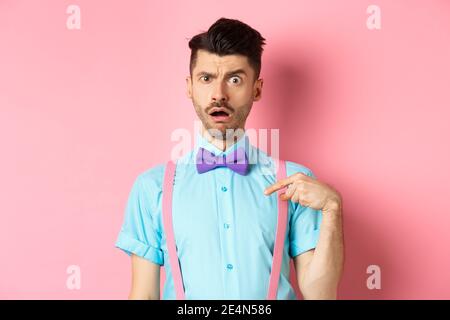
<point>224,220</point>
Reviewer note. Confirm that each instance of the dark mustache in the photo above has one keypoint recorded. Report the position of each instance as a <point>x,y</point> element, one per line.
<point>220,105</point>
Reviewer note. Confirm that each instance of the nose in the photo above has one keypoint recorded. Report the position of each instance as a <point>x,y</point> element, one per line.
<point>219,93</point>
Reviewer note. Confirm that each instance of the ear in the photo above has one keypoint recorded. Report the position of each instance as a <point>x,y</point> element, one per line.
<point>189,87</point>
<point>257,89</point>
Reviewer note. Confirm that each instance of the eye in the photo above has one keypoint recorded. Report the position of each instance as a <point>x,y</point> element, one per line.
<point>235,79</point>
<point>204,78</point>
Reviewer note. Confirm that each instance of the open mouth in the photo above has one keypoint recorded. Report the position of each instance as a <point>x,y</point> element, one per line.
<point>220,115</point>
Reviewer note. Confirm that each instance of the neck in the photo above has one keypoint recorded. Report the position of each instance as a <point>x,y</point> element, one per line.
<point>223,143</point>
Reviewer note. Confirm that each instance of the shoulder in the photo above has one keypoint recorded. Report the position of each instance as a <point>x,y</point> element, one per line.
<point>152,178</point>
<point>147,189</point>
<point>293,167</point>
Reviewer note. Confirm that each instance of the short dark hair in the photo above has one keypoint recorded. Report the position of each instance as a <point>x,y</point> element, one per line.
<point>229,36</point>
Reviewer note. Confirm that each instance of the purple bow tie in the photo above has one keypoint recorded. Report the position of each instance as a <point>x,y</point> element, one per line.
<point>236,160</point>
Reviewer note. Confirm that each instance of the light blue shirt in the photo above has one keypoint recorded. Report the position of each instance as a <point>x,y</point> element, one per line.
<point>224,226</point>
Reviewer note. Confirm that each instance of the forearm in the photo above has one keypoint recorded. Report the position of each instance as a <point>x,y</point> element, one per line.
<point>133,295</point>
<point>322,275</point>
<point>145,280</point>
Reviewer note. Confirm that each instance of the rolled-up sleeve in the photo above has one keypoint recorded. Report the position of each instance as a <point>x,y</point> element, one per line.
<point>304,224</point>
<point>140,233</point>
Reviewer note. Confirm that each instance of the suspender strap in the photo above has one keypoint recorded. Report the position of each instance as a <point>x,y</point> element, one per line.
<point>168,228</point>
<point>279,238</point>
<point>170,237</point>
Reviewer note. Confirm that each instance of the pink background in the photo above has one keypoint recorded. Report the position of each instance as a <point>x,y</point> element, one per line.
<point>83,112</point>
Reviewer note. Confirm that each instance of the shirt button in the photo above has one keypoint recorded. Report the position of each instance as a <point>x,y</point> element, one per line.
<point>226,225</point>
<point>229,266</point>
<point>224,189</point>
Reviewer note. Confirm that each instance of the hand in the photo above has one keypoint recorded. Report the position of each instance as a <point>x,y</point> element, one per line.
<point>309,192</point>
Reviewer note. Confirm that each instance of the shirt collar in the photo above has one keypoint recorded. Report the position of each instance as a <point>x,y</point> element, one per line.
<point>202,142</point>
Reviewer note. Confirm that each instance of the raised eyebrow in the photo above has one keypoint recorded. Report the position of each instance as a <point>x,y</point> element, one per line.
<point>235,72</point>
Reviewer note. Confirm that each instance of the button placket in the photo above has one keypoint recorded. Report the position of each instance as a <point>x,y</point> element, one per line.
<point>228,241</point>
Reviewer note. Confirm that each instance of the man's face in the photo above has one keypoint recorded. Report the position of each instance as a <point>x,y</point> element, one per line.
<point>223,90</point>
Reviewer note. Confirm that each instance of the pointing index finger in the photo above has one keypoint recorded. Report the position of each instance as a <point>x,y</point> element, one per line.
<point>279,185</point>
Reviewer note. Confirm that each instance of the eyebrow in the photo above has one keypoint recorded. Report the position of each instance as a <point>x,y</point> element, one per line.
<point>212,75</point>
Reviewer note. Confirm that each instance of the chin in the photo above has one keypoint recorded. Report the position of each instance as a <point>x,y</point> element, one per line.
<point>217,127</point>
